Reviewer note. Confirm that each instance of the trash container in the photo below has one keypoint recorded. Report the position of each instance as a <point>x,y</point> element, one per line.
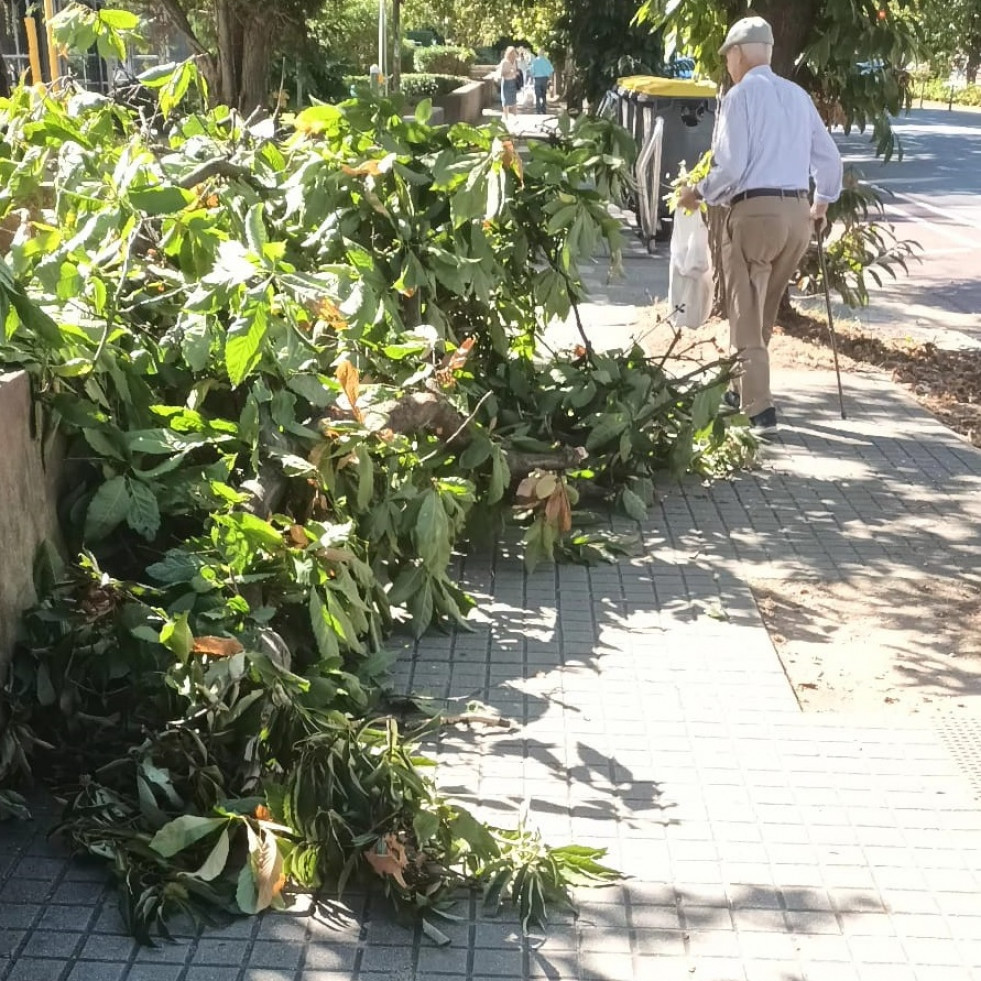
<point>688,110</point>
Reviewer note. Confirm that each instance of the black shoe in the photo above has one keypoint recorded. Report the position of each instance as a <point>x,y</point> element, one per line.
<point>731,398</point>
<point>765,423</point>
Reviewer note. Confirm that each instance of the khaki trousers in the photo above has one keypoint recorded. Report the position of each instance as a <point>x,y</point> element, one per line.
<point>765,238</point>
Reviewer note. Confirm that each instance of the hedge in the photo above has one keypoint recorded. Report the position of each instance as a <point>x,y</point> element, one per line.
<point>938,90</point>
<point>444,59</point>
<point>414,86</point>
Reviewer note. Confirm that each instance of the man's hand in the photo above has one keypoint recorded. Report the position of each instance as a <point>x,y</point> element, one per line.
<point>819,215</point>
<point>689,198</point>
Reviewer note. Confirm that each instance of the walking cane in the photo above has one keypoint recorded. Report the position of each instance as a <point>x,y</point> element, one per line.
<point>831,321</point>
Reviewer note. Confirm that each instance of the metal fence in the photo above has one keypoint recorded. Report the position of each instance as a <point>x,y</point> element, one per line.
<point>90,70</point>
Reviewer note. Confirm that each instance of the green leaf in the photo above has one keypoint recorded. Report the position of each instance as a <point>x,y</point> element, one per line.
<point>500,477</point>
<point>366,477</point>
<point>176,566</point>
<point>216,861</point>
<point>608,429</point>
<point>259,533</point>
<point>119,20</point>
<point>101,443</point>
<point>633,505</point>
<point>243,344</point>
<point>432,533</point>
<point>143,515</point>
<point>434,933</point>
<point>255,229</point>
<point>108,509</point>
<point>46,694</point>
<point>178,834</point>
<point>323,631</point>
<point>425,825</point>
<point>466,827</point>
<point>246,892</point>
<point>176,636</point>
<point>160,200</point>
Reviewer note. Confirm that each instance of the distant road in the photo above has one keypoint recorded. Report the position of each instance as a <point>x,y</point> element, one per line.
<point>936,200</point>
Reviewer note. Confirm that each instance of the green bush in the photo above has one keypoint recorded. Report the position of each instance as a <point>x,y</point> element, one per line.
<point>444,60</point>
<point>408,58</point>
<point>414,86</point>
<point>938,90</point>
<point>487,56</point>
<point>424,36</point>
<point>425,86</point>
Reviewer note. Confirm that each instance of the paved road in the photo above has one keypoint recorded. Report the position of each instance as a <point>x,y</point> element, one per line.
<point>936,200</point>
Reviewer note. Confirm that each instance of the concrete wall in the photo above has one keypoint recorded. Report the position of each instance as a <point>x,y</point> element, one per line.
<point>27,505</point>
<point>463,105</point>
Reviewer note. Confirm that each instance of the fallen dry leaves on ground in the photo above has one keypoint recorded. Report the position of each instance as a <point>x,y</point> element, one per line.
<point>945,382</point>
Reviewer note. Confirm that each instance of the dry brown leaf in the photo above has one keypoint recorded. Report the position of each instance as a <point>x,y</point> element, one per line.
<point>546,486</point>
<point>370,168</point>
<point>391,862</point>
<point>526,489</point>
<point>217,646</point>
<point>327,311</point>
<point>455,360</point>
<point>511,158</point>
<point>558,511</point>
<point>350,381</point>
<point>267,866</point>
<point>298,536</point>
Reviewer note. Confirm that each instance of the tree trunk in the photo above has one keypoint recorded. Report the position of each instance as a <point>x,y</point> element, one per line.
<point>228,28</point>
<point>973,64</point>
<point>247,33</point>
<point>792,23</point>
<point>257,51</point>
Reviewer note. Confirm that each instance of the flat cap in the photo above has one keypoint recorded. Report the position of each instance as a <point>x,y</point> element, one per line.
<point>749,30</point>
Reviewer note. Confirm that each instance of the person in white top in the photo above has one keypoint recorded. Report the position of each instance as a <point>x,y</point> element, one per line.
<point>768,145</point>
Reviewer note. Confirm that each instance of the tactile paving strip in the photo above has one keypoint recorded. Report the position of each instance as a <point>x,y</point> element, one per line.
<point>962,737</point>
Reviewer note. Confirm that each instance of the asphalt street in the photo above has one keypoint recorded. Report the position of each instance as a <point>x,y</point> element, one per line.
<point>933,198</point>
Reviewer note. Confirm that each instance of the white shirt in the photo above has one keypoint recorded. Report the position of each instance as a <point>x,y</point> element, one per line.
<point>769,134</point>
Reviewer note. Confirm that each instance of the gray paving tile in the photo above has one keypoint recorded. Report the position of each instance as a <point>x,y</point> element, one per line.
<point>97,971</point>
<point>210,973</point>
<point>156,972</point>
<point>52,943</point>
<point>35,969</point>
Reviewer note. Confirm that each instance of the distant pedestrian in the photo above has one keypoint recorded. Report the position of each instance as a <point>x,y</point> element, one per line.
<point>524,64</point>
<point>507,73</point>
<point>769,141</point>
<point>541,72</point>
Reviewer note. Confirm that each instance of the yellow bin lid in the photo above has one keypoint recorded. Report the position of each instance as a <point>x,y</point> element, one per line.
<point>678,88</point>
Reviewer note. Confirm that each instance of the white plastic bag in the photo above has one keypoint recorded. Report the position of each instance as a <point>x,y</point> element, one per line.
<point>528,96</point>
<point>690,275</point>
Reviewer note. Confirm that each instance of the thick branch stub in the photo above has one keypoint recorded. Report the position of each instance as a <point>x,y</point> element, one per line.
<point>427,412</point>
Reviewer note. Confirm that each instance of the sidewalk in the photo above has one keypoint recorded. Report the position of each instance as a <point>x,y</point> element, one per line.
<point>654,718</point>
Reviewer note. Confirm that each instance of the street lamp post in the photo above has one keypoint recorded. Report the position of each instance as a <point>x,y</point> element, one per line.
<point>383,40</point>
<point>397,45</point>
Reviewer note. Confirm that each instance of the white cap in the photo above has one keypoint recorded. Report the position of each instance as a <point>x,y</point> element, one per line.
<point>749,30</point>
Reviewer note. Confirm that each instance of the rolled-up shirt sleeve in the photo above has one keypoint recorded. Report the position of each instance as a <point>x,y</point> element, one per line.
<point>826,168</point>
<point>730,151</point>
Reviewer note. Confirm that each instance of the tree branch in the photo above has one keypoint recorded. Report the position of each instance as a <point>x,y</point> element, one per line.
<point>216,168</point>
<point>178,17</point>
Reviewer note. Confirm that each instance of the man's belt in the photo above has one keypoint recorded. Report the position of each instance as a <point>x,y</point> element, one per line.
<point>767,192</point>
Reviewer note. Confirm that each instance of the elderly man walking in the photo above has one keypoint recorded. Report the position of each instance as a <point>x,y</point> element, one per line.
<point>769,142</point>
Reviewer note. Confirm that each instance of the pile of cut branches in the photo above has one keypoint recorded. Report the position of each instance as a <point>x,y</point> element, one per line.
<point>294,371</point>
